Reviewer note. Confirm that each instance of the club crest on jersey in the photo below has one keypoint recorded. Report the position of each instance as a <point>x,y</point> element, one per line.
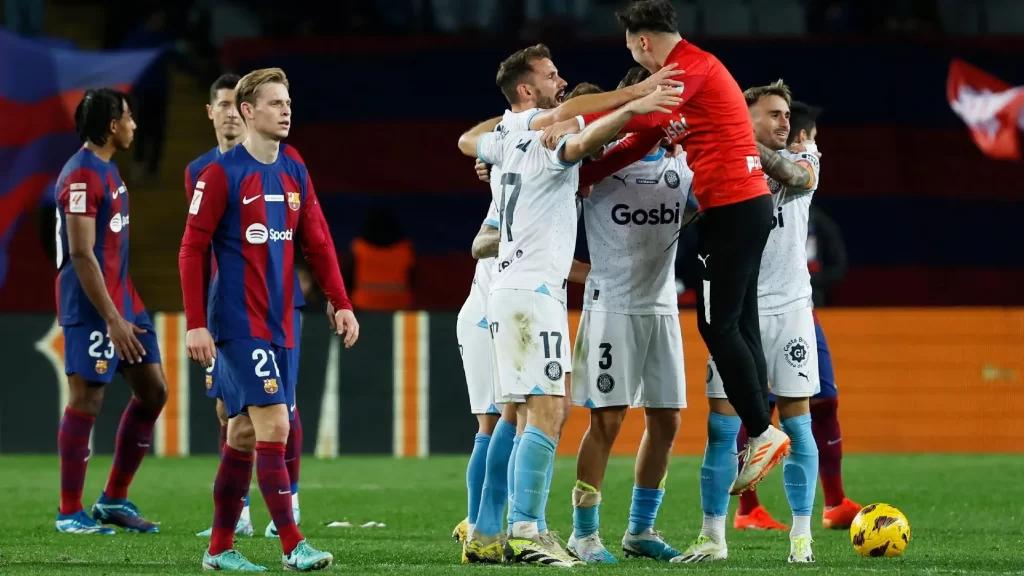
<point>270,385</point>
<point>605,383</point>
<point>711,373</point>
<point>294,200</point>
<point>795,352</point>
<point>672,179</point>
<point>101,366</point>
<point>553,370</point>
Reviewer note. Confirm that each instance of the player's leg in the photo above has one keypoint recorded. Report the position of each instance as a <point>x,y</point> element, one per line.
<point>662,394</point>
<point>794,376</point>
<point>839,510</point>
<point>293,447</point>
<point>717,474</point>
<point>539,374</point>
<point>89,362</point>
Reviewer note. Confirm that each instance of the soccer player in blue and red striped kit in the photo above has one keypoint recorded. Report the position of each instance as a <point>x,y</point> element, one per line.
<point>106,327</point>
<point>251,203</point>
<point>230,130</point>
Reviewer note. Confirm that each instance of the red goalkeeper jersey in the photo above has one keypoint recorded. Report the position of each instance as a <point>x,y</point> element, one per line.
<point>713,126</point>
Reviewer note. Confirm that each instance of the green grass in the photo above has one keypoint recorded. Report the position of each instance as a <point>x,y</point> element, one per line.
<point>966,512</point>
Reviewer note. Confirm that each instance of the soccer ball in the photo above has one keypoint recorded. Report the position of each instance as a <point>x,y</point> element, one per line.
<point>880,530</point>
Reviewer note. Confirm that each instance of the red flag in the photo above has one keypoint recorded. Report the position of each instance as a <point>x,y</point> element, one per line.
<point>990,107</point>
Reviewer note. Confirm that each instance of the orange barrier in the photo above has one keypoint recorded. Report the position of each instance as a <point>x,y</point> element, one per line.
<point>910,380</point>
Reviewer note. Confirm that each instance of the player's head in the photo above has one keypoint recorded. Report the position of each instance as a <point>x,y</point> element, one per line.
<point>649,23</point>
<point>803,123</point>
<point>105,116</point>
<point>769,110</point>
<point>582,89</point>
<point>227,121</point>
<point>636,75</point>
<point>529,77</point>
<point>264,103</point>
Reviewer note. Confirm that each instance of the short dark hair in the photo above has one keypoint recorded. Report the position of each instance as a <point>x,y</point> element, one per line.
<point>516,67</point>
<point>636,75</point>
<point>648,15</point>
<point>97,109</point>
<point>802,117</point>
<point>224,82</point>
<point>582,89</point>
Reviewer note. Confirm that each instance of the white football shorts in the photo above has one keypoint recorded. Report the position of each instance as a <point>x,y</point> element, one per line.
<point>475,349</point>
<point>530,338</point>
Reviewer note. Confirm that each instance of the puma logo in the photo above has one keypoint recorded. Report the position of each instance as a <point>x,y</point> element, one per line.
<point>804,375</point>
<point>621,178</point>
<point>703,259</point>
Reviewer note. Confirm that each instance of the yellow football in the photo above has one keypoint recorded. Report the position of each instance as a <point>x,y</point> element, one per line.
<point>880,530</point>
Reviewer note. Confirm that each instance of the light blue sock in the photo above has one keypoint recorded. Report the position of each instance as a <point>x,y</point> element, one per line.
<point>295,487</point>
<point>585,519</point>
<point>495,490</point>
<point>512,481</point>
<point>542,523</point>
<point>800,469</point>
<point>536,454</point>
<point>475,472</point>
<point>644,508</point>
<point>719,469</point>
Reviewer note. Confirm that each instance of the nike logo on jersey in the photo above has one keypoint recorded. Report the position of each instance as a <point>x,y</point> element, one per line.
<point>703,259</point>
<point>249,200</point>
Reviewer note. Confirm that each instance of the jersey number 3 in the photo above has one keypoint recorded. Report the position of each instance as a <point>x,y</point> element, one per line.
<point>508,201</point>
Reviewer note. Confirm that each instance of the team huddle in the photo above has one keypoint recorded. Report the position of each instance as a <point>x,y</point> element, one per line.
<point>676,143</point>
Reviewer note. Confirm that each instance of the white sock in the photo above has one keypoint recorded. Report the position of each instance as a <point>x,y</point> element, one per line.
<point>470,528</point>
<point>245,515</point>
<point>526,530</point>
<point>764,435</point>
<point>801,526</point>
<point>295,501</point>
<point>714,528</point>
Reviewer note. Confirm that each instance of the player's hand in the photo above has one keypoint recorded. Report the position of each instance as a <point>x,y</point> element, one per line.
<point>345,323</point>
<point>663,77</point>
<point>122,336</point>
<point>330,317</point>
<point>552,134</point>
<point>201,349</point>
<point>585,192</point>
<point>671,150</point>
<point>483,170</point>
<point>663,100</point>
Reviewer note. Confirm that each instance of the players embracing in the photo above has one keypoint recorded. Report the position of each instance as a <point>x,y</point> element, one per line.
<point>250,204</point>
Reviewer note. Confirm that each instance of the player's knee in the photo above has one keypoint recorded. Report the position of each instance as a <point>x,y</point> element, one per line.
<point>721,406</point>
<point>222,413</point>
<point>84,397</point>
<point>241,434</point>
<point>605,423</point>
<point>486,423</point>
<point>663,423</point>
<point>792,407</point>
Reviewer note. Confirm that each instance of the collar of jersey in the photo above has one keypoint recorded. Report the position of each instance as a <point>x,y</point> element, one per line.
<point>654,157</point>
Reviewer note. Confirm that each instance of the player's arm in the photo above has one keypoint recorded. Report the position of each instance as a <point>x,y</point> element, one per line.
<point>207,206</point>
<point>579,271</point>
<point>485,244</point>
<point>468,141</point>
<point>592,103</point>
<point>318,248</point>
<point>599,133</point>
<point>188,184</point>
<point>796,176</point>
<point>631,149</point>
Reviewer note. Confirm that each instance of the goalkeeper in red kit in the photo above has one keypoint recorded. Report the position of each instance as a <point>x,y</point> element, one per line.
<point>714,127</point>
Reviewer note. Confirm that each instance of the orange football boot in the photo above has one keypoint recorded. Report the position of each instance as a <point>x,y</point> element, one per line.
<point>840,517</point>
<point>758,519</point>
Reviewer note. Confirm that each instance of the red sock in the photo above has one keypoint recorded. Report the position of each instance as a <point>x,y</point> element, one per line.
<point>825,427</point>
<point>229,490</point>
<point>134,435</point>
<point>748,500</point>
<point>272,476</point>
<point>223,438</point>
<point>73,447</point>
<point>293,452</point>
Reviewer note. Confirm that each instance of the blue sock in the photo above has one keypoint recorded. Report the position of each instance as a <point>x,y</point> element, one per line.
<point>719,469</point>
<point>800,469</point>
<point>475,471</point>
<point>585,519</point>
<point>495,489</point>
<point>512,480</point>
<point>246,500</point>
<point>644,508</point>
<point>542,523</point>
<point>295,487</point>
<point>536,454</point>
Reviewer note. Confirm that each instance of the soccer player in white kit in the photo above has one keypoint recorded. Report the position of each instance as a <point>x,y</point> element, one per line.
<point>788,336</point>
<point>534,89</point>
<point>526,309</point>
<point>629,348</point>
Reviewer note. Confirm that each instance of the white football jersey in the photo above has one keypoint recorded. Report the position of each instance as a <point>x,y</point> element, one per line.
<point>784,283</point>
<point>535,195</point>
<point>475,307</point>
<point>632,222</point>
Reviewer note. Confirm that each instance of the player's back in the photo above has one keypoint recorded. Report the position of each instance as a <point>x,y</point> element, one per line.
<point>90,186</point>
<point>253,294</point>
<point>715,129</point>
<point>632,220</point>
<point>535,195</point>
<point>784,281</point>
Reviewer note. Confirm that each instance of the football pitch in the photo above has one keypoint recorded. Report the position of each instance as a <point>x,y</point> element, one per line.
<point>966,514</point>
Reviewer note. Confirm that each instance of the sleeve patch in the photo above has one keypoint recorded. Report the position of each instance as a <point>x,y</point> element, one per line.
<point>197,199</point>
<point>76,201</point>
<point>77,186</point>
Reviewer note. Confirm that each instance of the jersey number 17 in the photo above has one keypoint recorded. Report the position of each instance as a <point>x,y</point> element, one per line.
<point>508,202</point>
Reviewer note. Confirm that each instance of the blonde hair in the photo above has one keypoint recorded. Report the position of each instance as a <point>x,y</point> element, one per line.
<point>777,88</point>
<point>248,87</point>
